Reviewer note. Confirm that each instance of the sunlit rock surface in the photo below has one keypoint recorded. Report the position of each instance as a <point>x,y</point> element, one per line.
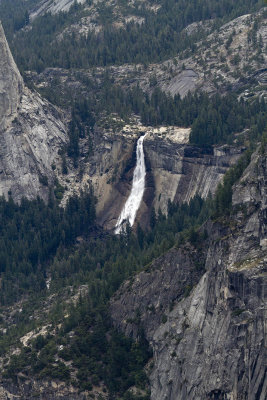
<point>31,134</point>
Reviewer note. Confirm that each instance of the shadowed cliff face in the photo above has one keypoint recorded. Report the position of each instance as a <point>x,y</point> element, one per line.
<point>208,344</point>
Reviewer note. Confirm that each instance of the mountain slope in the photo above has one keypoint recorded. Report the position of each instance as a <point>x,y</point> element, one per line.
<point>207,334</point>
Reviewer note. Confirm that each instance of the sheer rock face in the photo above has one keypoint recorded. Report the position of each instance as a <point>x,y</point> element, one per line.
<point>181,171</point>
<point>29,147</point>
<point>175,170</point>
<point>31,134</point>
<point>210,344</point>
<point>11,84</point>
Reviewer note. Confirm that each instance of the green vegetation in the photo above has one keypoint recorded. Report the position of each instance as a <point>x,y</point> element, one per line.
<point>31,233</point>
<point>237,312</point>
<point>41,242</point>
<point>116,362</point>
<point>15,15</point>
<point>38,238</point>
<point>214,120</point>
<point>223,197</point>
<point>81,332</point>
<point>84,336</point>
<point>160,37</point>
<point>221,117</point>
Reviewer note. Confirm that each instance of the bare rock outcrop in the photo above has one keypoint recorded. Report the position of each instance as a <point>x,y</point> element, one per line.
<point>231,57</point>
<point>31,134</point>
<point>53,7</point>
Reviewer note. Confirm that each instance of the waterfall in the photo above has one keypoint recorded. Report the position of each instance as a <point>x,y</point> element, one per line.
<point>138,187</point>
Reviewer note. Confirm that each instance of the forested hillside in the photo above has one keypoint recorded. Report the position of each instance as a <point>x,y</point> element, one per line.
<point>110,72</point>
<point>214,119</point>
<point>159,37</point>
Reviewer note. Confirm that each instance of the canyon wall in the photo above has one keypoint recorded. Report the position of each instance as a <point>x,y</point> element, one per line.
<point>202,306</point>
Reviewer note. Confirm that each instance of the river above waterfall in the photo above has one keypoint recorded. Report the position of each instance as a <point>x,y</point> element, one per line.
<point>133,202</point>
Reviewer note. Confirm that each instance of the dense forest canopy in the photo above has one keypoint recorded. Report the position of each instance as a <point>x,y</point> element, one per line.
<point>160,37</point>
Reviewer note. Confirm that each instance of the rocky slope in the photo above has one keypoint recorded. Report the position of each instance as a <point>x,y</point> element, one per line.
<point>231,57</point>
<point>202,307</point>
<point>53,7</point>
<point>93,14</point>
<point>44,390</point>
<point>31,134</point>
<point>234,56</point>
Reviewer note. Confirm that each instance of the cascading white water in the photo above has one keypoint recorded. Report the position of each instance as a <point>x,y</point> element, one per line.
<point>138,187</point>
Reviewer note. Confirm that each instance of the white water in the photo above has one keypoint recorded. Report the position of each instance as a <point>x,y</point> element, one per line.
<point>138,187</point>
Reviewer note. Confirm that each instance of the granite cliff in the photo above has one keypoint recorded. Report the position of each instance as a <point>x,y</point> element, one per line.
<point>202,307</point>
<point>201,304</point>
<point>11,84</point>
<point>176,171</point>
<point>31,134</point>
